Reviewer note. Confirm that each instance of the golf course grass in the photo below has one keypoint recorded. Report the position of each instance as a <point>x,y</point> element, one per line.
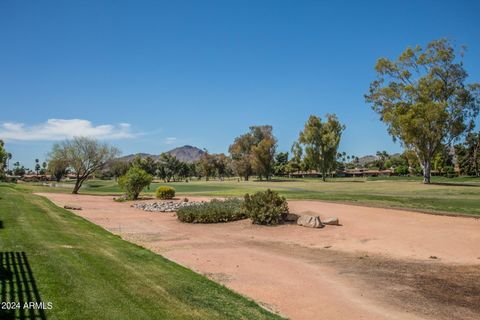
<point>447,195</point>
<point>49,254</point>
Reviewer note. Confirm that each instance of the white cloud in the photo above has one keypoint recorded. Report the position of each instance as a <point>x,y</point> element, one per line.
<point>170,140</point>
<point>60,129</point>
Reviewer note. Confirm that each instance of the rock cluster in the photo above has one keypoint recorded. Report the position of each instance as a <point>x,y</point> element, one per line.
<point>312,220</point>
<point>164,206</point>
<point>309,221</point>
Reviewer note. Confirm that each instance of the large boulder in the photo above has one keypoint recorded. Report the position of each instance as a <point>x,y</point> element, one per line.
<point>331,221</point>
<point>309,221</point>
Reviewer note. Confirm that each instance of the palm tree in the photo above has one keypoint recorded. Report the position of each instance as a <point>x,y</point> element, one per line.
<point>382,158</point>
<point>9,157</point>
<point>37,166</point>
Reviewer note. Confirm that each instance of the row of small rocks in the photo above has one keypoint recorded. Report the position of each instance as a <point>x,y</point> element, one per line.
<point>164,206</point>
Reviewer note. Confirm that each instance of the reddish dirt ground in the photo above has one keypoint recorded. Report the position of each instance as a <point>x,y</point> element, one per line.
<point>380,264</point>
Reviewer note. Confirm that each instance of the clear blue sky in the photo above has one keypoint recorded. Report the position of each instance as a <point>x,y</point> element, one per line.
<point>202,72</point>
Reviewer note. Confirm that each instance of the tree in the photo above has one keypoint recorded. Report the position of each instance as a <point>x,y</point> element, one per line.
<point>134,181</point>
<point>442,162</point>
<point>468,154</point>
<point>18,170</point>
<point>321,141</point>
<point>401,170</point>
<point>58,168</point>
<point>412,161</point>
<point>240,153</point>
<point>222,165</point>
<point>395,161</point>
<point>148,164</point>
<point>4,157</point>
<point>84,156</point>
<point>382,157</point>
<point>9,157</point>
<point>280,165</point>
<point>184,171</point>
<point>263,155</point>
<point>168,167</point>
<point>119,168</point>
<point>296,163</point>
<point>423,99</point>
<point>37,166</point>
<point>206,165</point>
<point>44,166</point>
<point>254,152</point>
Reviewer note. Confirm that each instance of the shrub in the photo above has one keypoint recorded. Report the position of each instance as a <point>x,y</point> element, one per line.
<point>213,211</point>
<point>401,170</point>
<point>165,193</point>
<point>134,181</point>
<point>266,207</point>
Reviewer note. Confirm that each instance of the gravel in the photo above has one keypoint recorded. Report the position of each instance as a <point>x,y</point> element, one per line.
<point>164,206</point>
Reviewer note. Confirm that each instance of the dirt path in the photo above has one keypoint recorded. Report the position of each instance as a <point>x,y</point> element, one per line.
<point>378,265</point>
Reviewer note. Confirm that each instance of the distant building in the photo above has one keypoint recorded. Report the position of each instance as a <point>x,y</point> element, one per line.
<point>357,172</point>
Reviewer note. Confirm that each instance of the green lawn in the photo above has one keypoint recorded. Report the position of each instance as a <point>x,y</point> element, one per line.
<point>49,254</point>
<point>452,195</point>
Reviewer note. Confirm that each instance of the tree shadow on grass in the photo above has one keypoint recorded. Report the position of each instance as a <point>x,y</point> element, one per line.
<point>17,288</point>
<point>1,224</point>
<point>455,184</point>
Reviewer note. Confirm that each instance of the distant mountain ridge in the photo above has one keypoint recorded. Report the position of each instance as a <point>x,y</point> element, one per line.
<point>370,158</point>
<point>191,154</point>
<point>366,159</point>
<point>186,154</point>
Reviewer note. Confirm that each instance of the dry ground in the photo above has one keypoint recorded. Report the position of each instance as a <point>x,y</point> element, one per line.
<point>380,264</point>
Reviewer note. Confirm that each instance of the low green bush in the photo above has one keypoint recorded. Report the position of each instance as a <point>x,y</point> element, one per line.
<point>165,193</point>
<point>401,170</point>
<point>266,207</point>
<point>134,181</point>
<point>212,212</point>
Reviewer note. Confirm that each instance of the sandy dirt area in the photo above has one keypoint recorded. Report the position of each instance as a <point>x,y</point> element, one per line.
<point>380,264</point>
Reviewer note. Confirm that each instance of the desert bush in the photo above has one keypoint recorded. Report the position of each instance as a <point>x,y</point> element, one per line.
<point>165,193</point>
<point>213,211</point>
<point>134,181</point>
<point>266,207</point>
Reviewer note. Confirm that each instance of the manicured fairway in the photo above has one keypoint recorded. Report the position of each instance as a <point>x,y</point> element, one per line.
<point>456,195</point>
<point>49,254</point>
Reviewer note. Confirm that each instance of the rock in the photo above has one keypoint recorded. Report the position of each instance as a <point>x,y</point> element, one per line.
<point>309,221</point>
<point>331,221</point>
<point>291,217</point>
<point>69,207</point>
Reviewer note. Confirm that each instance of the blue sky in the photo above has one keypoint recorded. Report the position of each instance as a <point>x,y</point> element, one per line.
<point>148,76</point>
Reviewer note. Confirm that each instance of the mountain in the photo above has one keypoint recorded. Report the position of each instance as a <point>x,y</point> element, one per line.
<point>366,159</point>
<point>187,154</point>
<point>130,157</point>
<point>362,161</point>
